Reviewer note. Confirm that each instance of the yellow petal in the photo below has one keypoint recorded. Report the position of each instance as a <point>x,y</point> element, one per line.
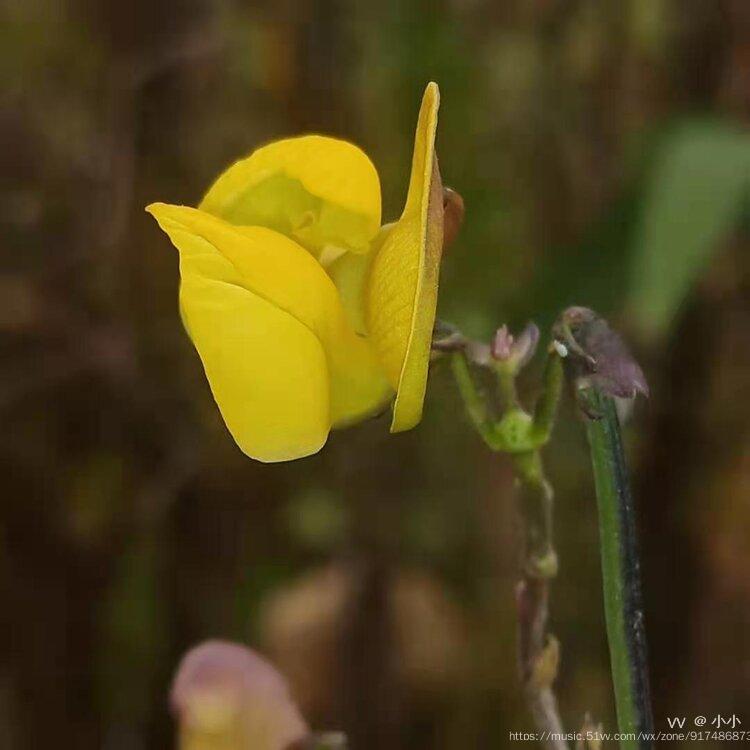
<point>350,273</point>
<point>402,285</point>
<point>279,271</point>
<point>267,371</point>
<point>320,191</point>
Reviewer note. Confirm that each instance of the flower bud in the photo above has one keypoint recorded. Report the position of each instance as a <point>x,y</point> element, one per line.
<point>598,355</point>
<point>502,344</point>
<point>516,352</point>
<point>227,697</point>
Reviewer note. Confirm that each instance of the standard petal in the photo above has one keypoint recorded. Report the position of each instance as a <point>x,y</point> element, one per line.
<point>279,271</point>
<point>402,286</point>
<point>320,191</point>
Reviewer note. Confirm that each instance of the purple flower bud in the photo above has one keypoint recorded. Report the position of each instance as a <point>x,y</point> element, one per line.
<point>502,344</point>
<point>599,356</point>
<point>518,351</point>
<point>228,694</point>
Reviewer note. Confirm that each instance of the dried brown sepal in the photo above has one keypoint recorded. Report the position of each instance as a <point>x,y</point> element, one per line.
<point>453,215</point>
<point>596,355</point>
<point>446,338</point>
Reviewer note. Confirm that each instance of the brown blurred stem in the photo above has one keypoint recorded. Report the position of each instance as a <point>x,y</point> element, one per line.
<point>538,650</point>
<point>522,435</point>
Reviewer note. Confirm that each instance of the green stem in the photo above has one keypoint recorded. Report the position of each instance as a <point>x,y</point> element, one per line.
<point>620,571</point>
<point>537,498</point>
<point>475,405</point>
<point>506,387</point>
<point>546,408</point>
<point>515,432</point>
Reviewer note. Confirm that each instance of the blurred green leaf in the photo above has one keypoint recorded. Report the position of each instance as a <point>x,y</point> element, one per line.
<point>133,632</point>
<point>317,519</point>
<point>699,180</point>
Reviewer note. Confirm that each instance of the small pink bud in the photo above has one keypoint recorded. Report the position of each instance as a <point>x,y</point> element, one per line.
<point>224,695</point>
<point>517,351</point>
<point>502,344</point>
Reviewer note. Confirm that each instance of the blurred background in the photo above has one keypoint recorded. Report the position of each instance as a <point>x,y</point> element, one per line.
<point>603,151</point>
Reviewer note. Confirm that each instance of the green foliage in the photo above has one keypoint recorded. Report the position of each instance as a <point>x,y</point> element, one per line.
<point>132,633</point>
<point>699,182</point>
<point>317,519</point>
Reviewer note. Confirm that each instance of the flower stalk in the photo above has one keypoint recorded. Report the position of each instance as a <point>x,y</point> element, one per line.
<point>620,571</point>
<point>522,435</point>
<point>601,369</point>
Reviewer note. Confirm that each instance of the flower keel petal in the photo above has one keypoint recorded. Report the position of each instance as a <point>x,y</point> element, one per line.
<point>267,371</point>
<point>281,277</point>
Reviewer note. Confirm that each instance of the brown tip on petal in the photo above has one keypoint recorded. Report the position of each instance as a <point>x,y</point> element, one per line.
<point>453,215</point>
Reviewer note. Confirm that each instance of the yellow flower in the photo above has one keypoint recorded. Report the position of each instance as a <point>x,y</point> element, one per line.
<point>306,313</point>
